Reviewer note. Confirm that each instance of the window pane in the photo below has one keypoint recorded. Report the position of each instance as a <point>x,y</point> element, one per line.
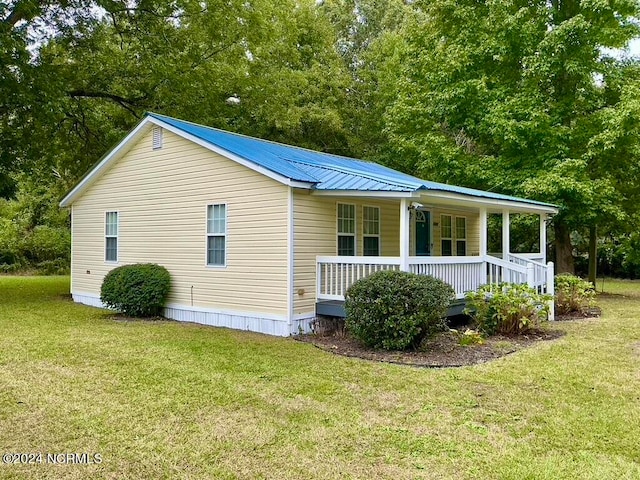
<point>445,226</point>
<point>346,245</point>
<point>461,248</point>
<point>446,248</point>
<point>111,252</point>
<point>371,246</point>
<point>215,250</point>
<point>111,225</point>
<point>216,219</point>
<point>461,227</point>
<point>346,218</point>
<point>370,220</point>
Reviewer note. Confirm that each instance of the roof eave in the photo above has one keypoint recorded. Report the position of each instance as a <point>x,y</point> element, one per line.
<point>524,205</point>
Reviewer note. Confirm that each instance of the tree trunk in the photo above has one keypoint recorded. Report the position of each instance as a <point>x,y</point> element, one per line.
<point>564,249</point>
<point>593,254</point>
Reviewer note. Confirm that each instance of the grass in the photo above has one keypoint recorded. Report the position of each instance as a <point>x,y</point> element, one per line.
<point>170,400</point>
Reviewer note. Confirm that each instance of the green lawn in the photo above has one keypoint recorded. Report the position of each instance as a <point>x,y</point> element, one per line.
<point>170,400</point>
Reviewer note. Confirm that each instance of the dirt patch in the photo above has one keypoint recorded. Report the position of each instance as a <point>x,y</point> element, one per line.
<point>443,350</point>
<point>593,312</point>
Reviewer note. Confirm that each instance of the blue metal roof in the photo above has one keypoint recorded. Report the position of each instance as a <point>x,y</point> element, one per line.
<point>325,171</point>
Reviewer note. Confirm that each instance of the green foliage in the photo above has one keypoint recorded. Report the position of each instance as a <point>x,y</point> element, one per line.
<point>395,310</point>
<point>46,244</point>
<point>34,232</point>
<point>138,290</point>
<point>507,308</point>
<point>470,337</point>
<point>573,294</point>
<point>523,98</point>
<point>620,256</point>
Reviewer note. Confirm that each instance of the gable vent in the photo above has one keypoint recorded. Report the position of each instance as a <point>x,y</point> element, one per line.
<point>157,138</point>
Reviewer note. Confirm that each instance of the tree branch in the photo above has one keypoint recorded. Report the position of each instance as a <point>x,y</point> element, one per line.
<point>126,103</point>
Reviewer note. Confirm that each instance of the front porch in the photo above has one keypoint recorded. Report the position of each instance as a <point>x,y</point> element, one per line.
<point>335,274</point>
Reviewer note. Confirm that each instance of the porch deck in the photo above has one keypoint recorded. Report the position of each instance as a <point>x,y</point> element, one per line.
<point>335,308</point>
<point>336,274</point>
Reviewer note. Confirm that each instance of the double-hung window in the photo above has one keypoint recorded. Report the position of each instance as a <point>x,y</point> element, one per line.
<point>371,231</point>
<point>111,237</point>
<point>216,234</point>
<point>346,229</point>
<point>446,236</point>
<point>461,236</point>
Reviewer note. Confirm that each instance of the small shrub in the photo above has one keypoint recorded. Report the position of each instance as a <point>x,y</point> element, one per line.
<point>138,290</point>
<point>507,308</point>
<point>470,337</point>
<point>396,310</point>
<point>573,294</point>
<point>53,267</point>
<point>45,243</point>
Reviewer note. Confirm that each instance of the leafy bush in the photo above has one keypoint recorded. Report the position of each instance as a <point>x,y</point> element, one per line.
<point>573,294</point>
<point>470,337</point>
<point>53,267</point>
<point>507,308</point>
<point>47,244</point>
<point>138,290</point>
<point>396,310</point>
<point>9,241</point>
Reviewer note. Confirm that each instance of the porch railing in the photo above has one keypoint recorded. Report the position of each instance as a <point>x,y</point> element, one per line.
<point>336,274</point>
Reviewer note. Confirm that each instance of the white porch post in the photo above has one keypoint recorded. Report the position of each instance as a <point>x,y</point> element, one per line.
<point>404,234</point>
<point>506,227</point>
<point>543,237</point>
<point>483,244</point>
<point>551,291</point>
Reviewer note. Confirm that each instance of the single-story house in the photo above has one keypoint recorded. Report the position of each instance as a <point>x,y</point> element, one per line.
<point>263,236</point>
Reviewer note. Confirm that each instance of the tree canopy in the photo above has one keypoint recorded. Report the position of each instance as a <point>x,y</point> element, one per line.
<point>528,97</point>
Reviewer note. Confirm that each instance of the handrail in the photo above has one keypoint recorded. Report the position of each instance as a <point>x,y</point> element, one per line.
<point>528,260</point>
<point>506,264</point>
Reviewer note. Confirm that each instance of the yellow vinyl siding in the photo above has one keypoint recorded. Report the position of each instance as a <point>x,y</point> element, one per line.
<point>473,229</point>
<point>161,197</point>
<point>315,234</point>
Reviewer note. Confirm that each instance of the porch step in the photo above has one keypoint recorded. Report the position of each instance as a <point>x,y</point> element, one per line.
<point>335,308</point>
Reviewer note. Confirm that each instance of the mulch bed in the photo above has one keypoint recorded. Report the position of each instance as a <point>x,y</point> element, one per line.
<point>443,350</point>
<point>593,312</point>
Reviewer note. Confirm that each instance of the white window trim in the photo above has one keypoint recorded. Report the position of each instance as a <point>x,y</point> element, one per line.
<point>370,235</point>
<point>454,231</point>
<point>116,236</point>
<point>207,235</point>
<point>355,228</point>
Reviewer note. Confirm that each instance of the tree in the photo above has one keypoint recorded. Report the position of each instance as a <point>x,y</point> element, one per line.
<point>509,96</point>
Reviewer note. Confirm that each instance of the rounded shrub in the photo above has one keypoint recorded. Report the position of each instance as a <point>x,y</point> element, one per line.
<point>396,310</point>
<point>138,290</point>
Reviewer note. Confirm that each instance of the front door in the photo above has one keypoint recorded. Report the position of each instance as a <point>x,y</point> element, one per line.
<point>423,233</point>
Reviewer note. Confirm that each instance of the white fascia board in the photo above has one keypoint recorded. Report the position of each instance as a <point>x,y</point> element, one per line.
<point>231,156</point>
<point>364,193</point>
<point>109,158</point>
<point>496,204</point>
